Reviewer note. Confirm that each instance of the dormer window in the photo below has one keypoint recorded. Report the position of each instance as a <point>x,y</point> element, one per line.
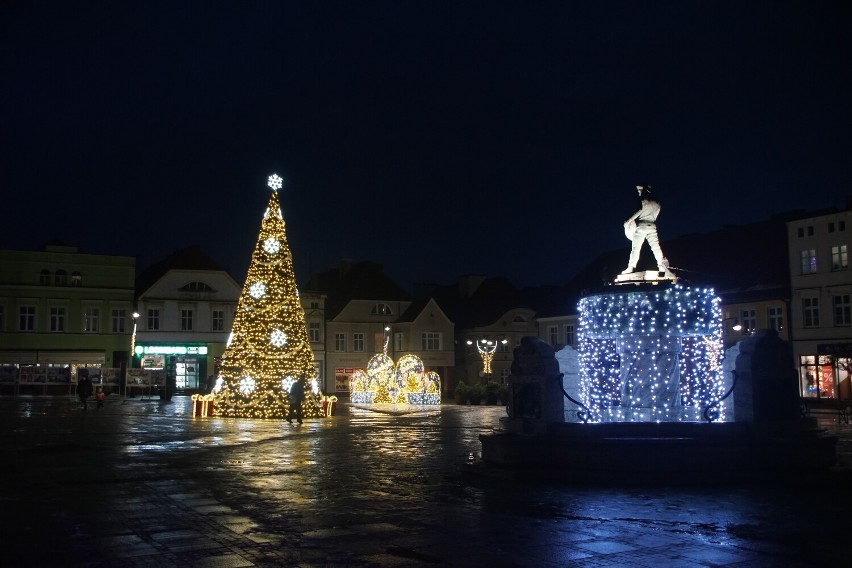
<point>197,287</point>
<point>381,310</point>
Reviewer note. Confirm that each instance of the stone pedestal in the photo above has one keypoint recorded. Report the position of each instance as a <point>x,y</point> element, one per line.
<point>535,393</point>
<point>766,388</point>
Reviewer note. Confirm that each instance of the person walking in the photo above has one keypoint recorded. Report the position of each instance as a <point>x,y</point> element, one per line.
<point>297,395</point>
<point>100,395</point>
<point>84,390</point>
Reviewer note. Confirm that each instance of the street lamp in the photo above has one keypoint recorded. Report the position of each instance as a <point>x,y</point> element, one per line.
<point>487,348</point>
<point>135,316</point>
<point>736,326</point>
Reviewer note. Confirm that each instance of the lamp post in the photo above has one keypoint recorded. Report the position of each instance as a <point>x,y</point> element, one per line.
<point>486,349</point>
<point>129,364</point>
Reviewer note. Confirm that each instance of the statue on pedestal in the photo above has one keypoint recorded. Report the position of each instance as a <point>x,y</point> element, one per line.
<point>641,227</point>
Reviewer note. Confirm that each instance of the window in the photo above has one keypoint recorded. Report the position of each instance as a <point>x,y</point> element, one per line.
<point>810,312</point>
<point>831,227</point>
<point>775,318</point>
<point>810,230</point>
<point>381,310</point>
<point>749,320</point>
<point>153,318</point>
<point>315,305</point>
<point>44,278</point>
<point>76,279</point>
<point>809,264</point>
<point>842,305</point>
<point>569,335</point>
<point>57,319</point>
<point>841,225</point>
<point>61,278</point>
<point>119,317</point>
<point>431,341</point>
<point>218,320</point>
<point>553,334</point>
<point>186,320</point>
<point>801,232</point>
<point>340,342</point>
<point>26,318</point>
<point>358,342</point>
<point>314,331</point>
<point>502,346</point>
<point>839,258</point>
<point>197,287</point>
<point>91,320</point>
<point>397,341</point>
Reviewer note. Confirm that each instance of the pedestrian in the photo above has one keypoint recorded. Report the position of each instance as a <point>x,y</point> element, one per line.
<point>84,390</point>
<point>99,397</point>
<point>297,395</point>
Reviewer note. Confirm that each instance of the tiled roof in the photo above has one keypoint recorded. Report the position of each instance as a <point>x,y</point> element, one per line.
<point>189,258</point>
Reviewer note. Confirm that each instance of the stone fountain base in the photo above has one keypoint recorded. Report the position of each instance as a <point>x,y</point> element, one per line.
<point>661,452</point>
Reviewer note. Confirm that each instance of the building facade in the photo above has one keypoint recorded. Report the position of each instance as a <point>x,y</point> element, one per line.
<point>821,303</point>
<point>62,311</point>
<point>185,308</point>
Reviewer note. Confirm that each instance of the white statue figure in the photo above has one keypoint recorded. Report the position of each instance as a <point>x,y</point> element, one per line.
<point>640,227</point>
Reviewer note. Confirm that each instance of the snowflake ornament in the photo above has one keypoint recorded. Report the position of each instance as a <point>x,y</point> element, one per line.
<point>257,290</point>
<point>247,385</point>
<point>278,338</point>
<point>271,245</point>
<point>275,182</point>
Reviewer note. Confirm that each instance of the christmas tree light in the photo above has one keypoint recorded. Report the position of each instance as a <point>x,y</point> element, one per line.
<point>268,346</point>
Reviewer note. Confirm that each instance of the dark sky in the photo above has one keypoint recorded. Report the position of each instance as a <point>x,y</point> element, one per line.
<point>438,138</point>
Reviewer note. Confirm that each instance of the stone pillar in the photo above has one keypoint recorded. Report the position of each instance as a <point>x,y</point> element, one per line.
<point>767,383</point>
<point>535,393</point>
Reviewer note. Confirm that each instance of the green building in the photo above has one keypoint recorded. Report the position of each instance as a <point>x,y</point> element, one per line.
<point>62,311</point>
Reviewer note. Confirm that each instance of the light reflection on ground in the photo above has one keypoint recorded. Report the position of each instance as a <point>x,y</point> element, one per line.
<point>395,475</point>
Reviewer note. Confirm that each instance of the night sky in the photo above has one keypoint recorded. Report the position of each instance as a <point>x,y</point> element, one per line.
<point>437,138</point>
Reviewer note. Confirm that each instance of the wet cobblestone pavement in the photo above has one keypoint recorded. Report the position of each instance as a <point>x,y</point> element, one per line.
<point>145,484</point>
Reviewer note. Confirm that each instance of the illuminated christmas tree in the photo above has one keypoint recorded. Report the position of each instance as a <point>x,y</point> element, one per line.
<point>268,347</point>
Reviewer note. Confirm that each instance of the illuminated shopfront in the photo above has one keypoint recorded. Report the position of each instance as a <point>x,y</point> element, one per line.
<point>186,366</point>
<point>826,375</point>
